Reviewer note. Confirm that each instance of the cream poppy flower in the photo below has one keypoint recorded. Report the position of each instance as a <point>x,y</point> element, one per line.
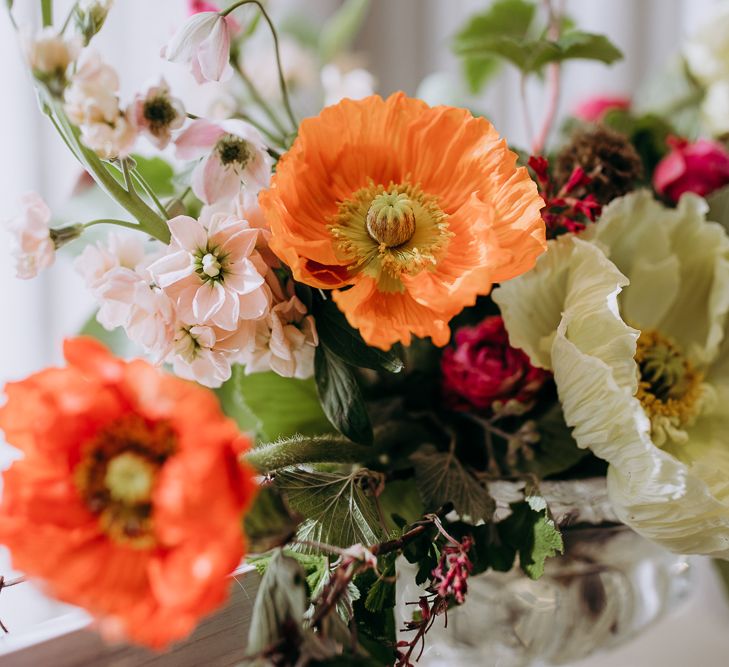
<point>631,318</point>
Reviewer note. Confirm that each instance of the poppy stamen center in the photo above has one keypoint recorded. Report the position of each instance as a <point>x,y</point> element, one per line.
<point>670,389</point>
<point>117,474</point>
<point>391,219</point>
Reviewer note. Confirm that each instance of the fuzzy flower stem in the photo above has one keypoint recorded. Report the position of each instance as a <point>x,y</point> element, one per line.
<point>281,78</point>
<point>47,12</point>
<point>331,448</point>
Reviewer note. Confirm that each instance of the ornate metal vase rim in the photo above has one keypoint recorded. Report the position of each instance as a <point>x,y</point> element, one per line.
<point>573,501</point>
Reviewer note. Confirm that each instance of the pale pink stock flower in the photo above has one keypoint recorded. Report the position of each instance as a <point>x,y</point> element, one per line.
<point>212,271</point>
<point>98,259</point>
<point>116,273</point>
<point>148,313</point>
<point>285,342</point>
<point>206,354</point>
<point>157,113</point>
<point>234,157</point>
<point>32,245</point>
<point>203,43</point>
<point>92,103</point>
<point>49,56</point>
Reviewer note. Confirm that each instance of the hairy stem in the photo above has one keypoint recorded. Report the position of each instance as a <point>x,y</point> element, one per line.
<point>332,448</point>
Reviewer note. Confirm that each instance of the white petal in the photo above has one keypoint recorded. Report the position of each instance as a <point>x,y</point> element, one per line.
<point>188,233</point>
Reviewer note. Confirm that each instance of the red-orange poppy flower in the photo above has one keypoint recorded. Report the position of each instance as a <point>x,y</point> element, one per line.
<point>408,212</point>
<point>129,497</point>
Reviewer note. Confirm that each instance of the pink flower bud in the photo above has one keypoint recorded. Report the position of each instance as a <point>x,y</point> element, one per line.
<point>593,109</point>
<point>699,167</point>
<point>483,368</point>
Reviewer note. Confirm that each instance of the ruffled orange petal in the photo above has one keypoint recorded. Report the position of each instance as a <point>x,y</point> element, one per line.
<point>492,209</point>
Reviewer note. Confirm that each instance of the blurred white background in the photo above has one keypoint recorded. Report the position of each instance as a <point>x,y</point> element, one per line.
<point>403,41</point>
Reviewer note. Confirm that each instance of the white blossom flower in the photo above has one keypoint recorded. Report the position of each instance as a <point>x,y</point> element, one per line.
<point>339,84</point>
<point>211,269</point>
<point>234,157</point>
<point>92,103</point>
<point>203,43</point>
<point>707,57</point>
<point>285,342</point>
<point>32,246</point>
<point>650,400</point>
<point>157,113</point>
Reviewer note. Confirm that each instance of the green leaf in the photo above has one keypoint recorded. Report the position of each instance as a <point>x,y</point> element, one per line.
<point>281,407</point>
<point>269,523</point>
<point>401,498</point>
<point>441,478</point>
<point>341,339</point>
<point>381,593</point>
<point>341,28</point>
<point>338,509</point>
<point>532,532</point>
<point>158,174</point>
<point>577,44</point>
<point>341,398</point>
<point>232,404</point>
<point>507,18</point>
<point>556,450</point>
<point>281,599</point>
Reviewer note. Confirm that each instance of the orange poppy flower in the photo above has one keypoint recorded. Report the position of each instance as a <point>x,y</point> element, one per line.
<point>408,212</point>
<point>129,497</point>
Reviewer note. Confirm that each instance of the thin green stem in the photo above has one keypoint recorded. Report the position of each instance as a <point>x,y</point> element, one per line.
<point>113,221</point>
<point>12,19</point>
<point>274,34</point>
<point>47,12</point>
<point>69,16</point>
<point>128,182</point>
<point>257,97</point>
<point>277,139</point>
<point>149,221</point>
<point>149,192</point>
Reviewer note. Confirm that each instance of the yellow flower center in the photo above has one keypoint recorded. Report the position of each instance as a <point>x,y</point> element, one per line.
<point>388,232</point>
<point>117,474</point>
<point>670,389</point>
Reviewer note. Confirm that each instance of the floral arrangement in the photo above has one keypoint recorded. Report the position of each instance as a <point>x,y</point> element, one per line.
<point>360,325</point>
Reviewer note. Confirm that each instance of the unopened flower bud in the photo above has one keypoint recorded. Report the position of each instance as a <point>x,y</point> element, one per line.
<point>90,17</point>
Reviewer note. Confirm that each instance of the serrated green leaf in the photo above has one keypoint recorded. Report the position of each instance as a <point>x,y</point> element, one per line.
<point>532,532</point>
<point>341,28</point>
<point>281,407</point>
<point>338,509</point>
<point>281,597</point>
<point>441,478</point>
<point>341,398</point>
<point>336,334</point>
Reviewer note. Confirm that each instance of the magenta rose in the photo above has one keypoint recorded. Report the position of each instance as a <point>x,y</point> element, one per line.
<point>483,368</point>
<point>699,167</point>
<point>593,109</point>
